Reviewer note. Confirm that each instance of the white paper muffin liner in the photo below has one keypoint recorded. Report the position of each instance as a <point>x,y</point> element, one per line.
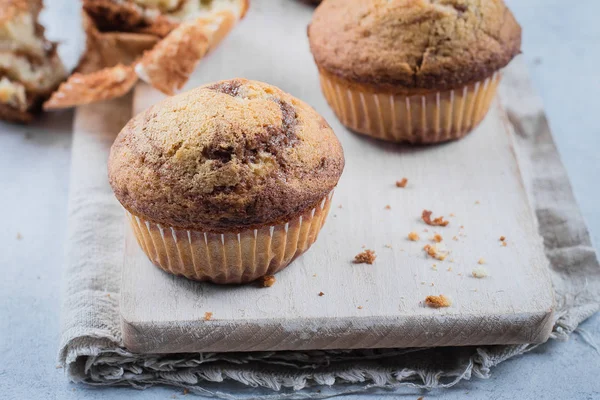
<point>229,258</point>
<point>424,118</point>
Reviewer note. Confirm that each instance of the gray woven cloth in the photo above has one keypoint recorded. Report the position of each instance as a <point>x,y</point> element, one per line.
<point>91,348</point>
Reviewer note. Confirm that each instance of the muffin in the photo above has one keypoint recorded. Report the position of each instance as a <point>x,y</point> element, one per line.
<point>30,68</point>
<point>228,182</point>
<point>421,71</point>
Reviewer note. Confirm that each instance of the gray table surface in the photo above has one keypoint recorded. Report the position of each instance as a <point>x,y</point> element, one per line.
<point>561,46</point>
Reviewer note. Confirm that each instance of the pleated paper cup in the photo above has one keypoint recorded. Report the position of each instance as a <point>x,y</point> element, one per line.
<point>229,258</point>
<point>431,117</point>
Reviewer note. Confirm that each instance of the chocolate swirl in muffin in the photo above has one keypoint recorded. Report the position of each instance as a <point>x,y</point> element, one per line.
<point>236,154</point>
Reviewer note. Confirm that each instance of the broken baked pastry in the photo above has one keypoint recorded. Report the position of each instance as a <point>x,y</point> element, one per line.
<point>162,40</point>
<point>30,68</point>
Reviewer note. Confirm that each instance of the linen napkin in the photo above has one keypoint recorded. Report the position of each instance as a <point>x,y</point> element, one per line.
<point>91,347</point>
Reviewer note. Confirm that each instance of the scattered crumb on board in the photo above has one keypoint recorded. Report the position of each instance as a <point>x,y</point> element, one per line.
<point>439,221</point>
<point>208,316</point>
<point>435,252</point>
<point>19,236</point>
<point>365,257</point>
<point>437,238</point>
<point>268,281</point>
<point>481,261</point>
<point>388,207</point>
<point>402,183</point>
<point>480,272</point>
<point>321,294</point>
<point>414,236</point>
<point>437,301</point>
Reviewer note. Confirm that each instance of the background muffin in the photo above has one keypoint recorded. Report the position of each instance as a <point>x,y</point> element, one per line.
<point>412,70</point>
<point>227,182</point>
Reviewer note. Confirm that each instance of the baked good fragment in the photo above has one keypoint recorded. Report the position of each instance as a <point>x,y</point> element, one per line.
<point>439,221</point>
<point>402,183</point>
<point>365,257</point>
<point>161,40</point>
<point>268,280</point>
<point>30,68</point>
<point>438,301</point>
<point>79,89</point>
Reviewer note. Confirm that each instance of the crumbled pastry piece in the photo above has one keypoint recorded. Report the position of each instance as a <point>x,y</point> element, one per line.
<point>481,261</point>
<point>402,183</point>
<point>452,215</point>
<point>449,269</point>
<point>437,301</point>
<point>79,89</point>
<point>268,280</point>
<point>477,202</point>
<point>434,267</point>
<point>455,238</point>
<point>19,236</point>
<point>480,272</point>
<point>502,238</point>
<point>360,307</point>
<point>436,251</point>
<point>387,246</point>
<point>208,316</point>
<point>321,294</point>
<point>365,257</point>
<point>437,238</point>
<point>414,236</point>
<point>504,244</point>
<point>30,68</point>
<point>439,221</point>
<point>388,207</point>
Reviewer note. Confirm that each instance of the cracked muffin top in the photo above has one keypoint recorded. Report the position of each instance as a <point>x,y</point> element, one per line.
<point>228,156</point>
<point>424,44</point>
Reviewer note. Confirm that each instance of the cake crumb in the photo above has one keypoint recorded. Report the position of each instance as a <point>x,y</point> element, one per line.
<point>387,246</point>
<point>366,257</point>
<point>432,284</point>
<point>452,215</point>
<point>340,206</point>
<point>388,207</point>
<point>321,294</point>
<point>477,202</point>
<point>449,269</point>
<point>268,281</point>
<point>455,238</point>
<point>479,272</point>
<point>108,295</point>
<point>402,183</point>
<point>504,244</point>
<point>502,238</point>
<point>435,252</point>
<point>439,221</point>
<point>208,316</point>
<point>314,275</point>
<point>481,261</point>
<point>185,392</point>
<point>425,230</point>
<point>359,307</point>
<point>434,267</point>
<point>437,238</point>
<point>19,236</point>
<point>414,236</point>
<point>437,301</point>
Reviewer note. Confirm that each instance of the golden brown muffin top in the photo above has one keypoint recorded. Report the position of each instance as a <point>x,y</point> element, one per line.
<point>228,156</point>
<point>425,44</point>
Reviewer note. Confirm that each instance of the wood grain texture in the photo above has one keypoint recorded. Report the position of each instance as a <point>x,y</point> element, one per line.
<point>364,306</point>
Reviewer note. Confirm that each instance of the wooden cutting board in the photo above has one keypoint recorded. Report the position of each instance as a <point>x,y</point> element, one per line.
<point>475,183</point>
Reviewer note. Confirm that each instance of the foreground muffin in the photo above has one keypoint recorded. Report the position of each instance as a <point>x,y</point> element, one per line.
<point>227,182</point>
<point>421,71</point>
